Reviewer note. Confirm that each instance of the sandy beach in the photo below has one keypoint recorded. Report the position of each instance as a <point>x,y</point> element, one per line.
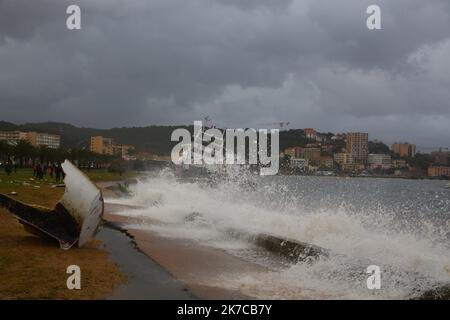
<point>191,264</point>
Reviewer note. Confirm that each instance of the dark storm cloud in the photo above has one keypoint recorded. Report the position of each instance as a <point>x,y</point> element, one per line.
<point>313,63</point>
<point>256,4</point>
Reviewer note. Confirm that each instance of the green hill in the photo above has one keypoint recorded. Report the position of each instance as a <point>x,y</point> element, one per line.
<point>154,139</point>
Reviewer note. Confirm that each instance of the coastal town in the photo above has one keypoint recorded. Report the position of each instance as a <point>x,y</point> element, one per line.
<point>353,153</point>
<point>303,152</point>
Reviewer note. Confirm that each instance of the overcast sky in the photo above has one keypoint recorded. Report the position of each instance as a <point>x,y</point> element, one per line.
<point>241,62</point>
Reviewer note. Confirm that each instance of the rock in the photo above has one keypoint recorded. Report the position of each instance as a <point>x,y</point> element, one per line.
<point>290,249</point>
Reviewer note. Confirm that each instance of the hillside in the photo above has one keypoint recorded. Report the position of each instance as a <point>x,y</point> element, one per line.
<point>155,139</point>
<point>152,138</point>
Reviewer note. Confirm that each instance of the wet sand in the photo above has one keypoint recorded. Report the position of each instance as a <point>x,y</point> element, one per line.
<point>145,278</point>
<point>195,266</point>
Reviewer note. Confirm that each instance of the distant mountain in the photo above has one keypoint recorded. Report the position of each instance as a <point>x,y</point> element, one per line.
<point>155,139</point>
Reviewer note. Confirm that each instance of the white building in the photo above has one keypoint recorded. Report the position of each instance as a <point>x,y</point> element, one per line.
<point>52,141</point>
<point>379,161</point>
<point>299,163</point>
<point>35,138</point>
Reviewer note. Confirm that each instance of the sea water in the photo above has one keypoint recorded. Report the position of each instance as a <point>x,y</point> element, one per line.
<point>400,225</point>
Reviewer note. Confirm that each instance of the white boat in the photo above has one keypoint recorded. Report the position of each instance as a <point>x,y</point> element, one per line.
<point>74,219</point>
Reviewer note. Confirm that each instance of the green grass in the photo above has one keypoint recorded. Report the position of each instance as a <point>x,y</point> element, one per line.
<point>31,268</point>
<point>29,189</point>
<point>44,192</point>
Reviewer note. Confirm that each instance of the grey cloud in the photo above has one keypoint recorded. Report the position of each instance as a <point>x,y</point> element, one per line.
<point>242,62</point>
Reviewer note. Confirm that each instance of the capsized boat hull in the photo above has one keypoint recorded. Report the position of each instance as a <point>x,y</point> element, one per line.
<point>74,219</point>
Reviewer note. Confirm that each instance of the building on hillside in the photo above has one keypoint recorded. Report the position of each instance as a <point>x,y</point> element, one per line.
<point>125,152</point>
<point>311,154</point>
<point>357,145</point>
<point>338,137</point>
<point>343,158</point>
<point>12,137</point>
<point>293,152</point>
<point>346,163</point>
<point>379,161</point>
<point>48,140</point>
<point>326,162</point>
<point>404,150</point>
<point>102,145</point>
<point>34,138</point>
<point>327,149</point>
<point>310,133</point>
<point>441,157</point>
<point>439,171</point>
<point>301,164</point>
<point>399,164</point>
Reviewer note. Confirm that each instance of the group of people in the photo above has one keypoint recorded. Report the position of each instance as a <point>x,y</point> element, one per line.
<point>40,169</point>
<point>54,170</point>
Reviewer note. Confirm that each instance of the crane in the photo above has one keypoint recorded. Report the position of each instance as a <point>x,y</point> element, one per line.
<point>281,125</point>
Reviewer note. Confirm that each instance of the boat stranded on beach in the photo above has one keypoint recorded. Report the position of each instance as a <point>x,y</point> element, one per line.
<point>75,218</point>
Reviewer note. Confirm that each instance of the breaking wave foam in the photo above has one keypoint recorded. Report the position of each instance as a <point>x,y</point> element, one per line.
<point>411,247</point>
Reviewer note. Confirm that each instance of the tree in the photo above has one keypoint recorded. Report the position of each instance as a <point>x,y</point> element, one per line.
<point>421,160</point>
<point>378,148</point>
<point>24,150</point>
<point>5,150</point>
<point>118,166</point>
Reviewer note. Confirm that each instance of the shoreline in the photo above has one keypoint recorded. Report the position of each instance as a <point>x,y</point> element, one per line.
<point>197,266</point>
<point>177,265</point>
<point>146,280</point>
<point>191,264</point>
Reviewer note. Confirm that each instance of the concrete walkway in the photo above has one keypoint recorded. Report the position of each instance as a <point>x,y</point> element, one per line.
<point>146,279</point>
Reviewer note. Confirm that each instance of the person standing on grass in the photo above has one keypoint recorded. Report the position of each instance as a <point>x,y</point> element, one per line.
<point>35,165</point>
<point>8,167</point>
<point>58,171</point>
<point>44,169</point>
<point>39,171</point>
<point>51,169</point>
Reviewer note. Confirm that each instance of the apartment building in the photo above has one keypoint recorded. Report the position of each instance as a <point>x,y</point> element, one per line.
<point>379,161</point>
<point>358,146</point>
<point>343,158</point>
<point>102,145</point>
<point>35,138</point>
<point>438,171</point>
<point>404,150</point>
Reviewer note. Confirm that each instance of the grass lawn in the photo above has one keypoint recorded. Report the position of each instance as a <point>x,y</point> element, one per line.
<point>33,268</point>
